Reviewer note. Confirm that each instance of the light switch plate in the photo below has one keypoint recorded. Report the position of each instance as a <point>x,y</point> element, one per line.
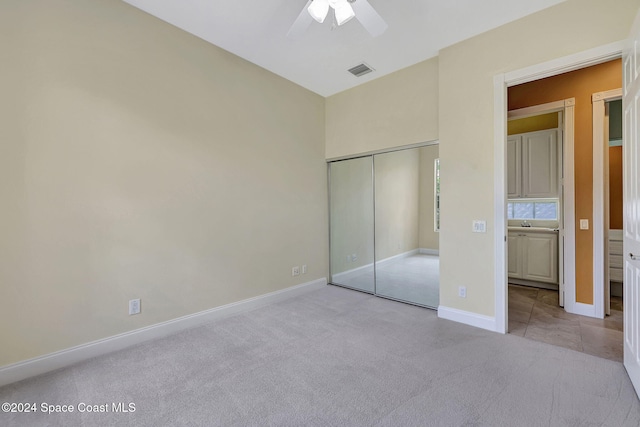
<point>479,226</point>
<point>584,224</point>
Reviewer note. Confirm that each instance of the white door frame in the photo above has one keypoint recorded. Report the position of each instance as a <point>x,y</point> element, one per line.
<point>601,200</point>
<point>501,82</point>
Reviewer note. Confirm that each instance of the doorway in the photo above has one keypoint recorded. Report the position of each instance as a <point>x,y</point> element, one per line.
<point>580,296</point>
<point>501,84</point>
<point>535,208</point>
<point>604,337</point>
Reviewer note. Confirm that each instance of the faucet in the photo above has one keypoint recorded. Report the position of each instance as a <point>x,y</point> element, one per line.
<point>525,223</point>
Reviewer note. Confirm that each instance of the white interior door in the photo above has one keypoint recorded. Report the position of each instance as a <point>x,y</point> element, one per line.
<point>561,179</point>
<point>631,243</point>
<point>606,211</point>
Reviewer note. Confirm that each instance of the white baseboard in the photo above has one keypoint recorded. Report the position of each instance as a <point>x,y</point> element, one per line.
<point>468,318</point>
<point>348,275</point>
<point>424,251</point>
<point>394,258</point>
<point>60,359</point>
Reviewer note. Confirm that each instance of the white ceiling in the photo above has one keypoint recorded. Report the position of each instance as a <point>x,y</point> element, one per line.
<point>256,31</point>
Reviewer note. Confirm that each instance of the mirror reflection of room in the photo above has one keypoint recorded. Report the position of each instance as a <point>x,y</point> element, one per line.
<point>384,212</point>
<point>351,223</point>
<point>407,262</point>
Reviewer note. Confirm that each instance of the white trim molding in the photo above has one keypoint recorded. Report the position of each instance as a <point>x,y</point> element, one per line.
<point>424,251</point>
<point>394,258</point>
<point>60,359</point>
<point>569,208</point>
<point>469,318</point>
<point>536,110</point>
<point>348,275</point>
<point>345,276</point>
<point>566,64</point>
<point>500,203</point>
<point>584,309</point>
<point>384,150</point>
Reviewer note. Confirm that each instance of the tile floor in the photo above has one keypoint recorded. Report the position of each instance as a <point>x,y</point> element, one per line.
<point>534,313</point>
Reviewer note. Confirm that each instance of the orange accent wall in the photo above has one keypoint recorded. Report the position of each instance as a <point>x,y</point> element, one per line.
<point>615,188</point>
<point>579,84</point>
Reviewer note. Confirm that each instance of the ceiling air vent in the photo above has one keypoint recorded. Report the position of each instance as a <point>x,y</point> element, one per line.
<point>360,70</point>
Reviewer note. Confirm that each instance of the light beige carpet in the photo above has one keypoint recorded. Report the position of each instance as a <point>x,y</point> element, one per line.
<point>337,357</point>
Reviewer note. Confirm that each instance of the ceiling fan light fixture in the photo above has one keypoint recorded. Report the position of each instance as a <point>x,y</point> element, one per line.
<point>344,12</point>
<point>318,9</point>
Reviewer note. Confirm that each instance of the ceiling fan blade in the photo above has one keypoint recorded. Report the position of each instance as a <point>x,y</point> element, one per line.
<point>369,18</point>
<point>301,23</point>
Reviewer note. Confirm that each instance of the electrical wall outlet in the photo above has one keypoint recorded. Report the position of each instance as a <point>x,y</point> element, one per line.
<point>304,269</point>
<point>584,224</point>
<point>134,306</point>
<point>354,257</point>
<point>462,291</point>
<point>295,271</point>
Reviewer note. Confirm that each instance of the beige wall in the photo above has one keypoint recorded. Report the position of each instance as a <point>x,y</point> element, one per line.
<point>429,239</point>
<point>466,128</point>
<point>395,110</point>
<point>137,161</point>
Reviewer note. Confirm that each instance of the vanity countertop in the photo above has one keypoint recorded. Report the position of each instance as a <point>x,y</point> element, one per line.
<point>533,229</point>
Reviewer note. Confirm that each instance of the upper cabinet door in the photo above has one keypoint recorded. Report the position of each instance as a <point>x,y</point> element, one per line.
<point>540,164</point>
<point>514,167</point>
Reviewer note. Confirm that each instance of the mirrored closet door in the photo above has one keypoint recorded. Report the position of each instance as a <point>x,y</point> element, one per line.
<point>406,243</point>
<point>351,223</point>
<point>391,249</point>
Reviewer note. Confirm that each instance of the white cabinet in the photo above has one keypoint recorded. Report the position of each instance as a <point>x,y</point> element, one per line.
<point>533,256</point>
<point>615,256</point>
<point>514,166</point>
<point>514,256</point>
<point>532,165</point>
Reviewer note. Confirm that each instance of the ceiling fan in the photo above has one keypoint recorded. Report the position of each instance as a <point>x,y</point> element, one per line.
<point>344,10</point>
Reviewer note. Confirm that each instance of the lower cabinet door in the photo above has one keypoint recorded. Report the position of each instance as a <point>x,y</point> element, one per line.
<point>540,253</point>
<point>514,256</point>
